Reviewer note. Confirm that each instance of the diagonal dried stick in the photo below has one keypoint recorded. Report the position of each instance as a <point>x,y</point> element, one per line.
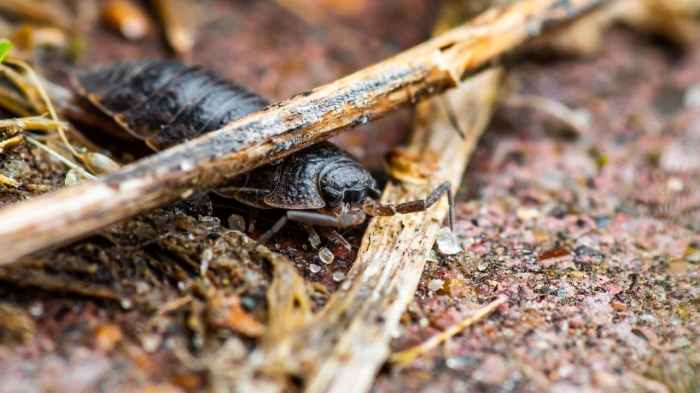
<point>281,129</point>
<point>52,13</point>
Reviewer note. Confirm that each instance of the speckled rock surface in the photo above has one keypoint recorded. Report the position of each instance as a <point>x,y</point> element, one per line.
<point>593,237</point>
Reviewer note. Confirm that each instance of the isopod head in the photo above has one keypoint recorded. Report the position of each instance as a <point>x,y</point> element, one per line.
<point>346,182</point>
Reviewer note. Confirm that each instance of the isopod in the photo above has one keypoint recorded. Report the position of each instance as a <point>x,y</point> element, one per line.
<point>166,102</point>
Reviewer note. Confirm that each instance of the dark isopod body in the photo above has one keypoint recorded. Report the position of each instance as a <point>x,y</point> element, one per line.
<point>166,102</point>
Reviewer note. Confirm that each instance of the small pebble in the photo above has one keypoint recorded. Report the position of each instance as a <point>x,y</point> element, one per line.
<point>209,222</point>
<point>602,221</point>
<point>459,362</point>
<point>692,96</point>
<point>73,177</point>
<point>527,213</point>
<point>198,341</point>
<point>126,304</point>
<point>36,310</point>
<point>236,222</point>
<point>680,342</point>
<point>694,257</point>
<point>107,336</point>
<point>151,342</point>
<point>100,164</point>
<point>326,255</point>
<point>447,243</point>
<point>338,276</point>
<point>583,117</point>
<point>142,287</point>
<point>315,240</point>
<point>314,268</point>
<point>187,193</point>
<point>675,184</point>
<point>248,303</point>
<point>432,257</point>
<point>205,258</point>
<point>436,284</point>
<point>561,293</point>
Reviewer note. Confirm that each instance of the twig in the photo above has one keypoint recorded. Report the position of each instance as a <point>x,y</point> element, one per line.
<point>179,23</point>
<point>14,103</point>
<point>281,129</point>
<point>40,11</point>
<point>38,278</point>
<point>558,110</point>
<point>10,142</point>
<point>59,157</point>
<point>17,125</point>
<point>24,86</point>
<point>410,354</point>
<point>36,84</point>
<point>8,181</point>
<point>127,17</point>
<point>676,20</point>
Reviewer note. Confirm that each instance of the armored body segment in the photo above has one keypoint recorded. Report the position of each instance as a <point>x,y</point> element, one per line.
<point>118,88</point>
<point>144,97</point>
<point>301,173</point>
<point>159,110</point>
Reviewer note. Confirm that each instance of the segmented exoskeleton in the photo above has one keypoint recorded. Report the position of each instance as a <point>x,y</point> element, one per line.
<point>166,102</point>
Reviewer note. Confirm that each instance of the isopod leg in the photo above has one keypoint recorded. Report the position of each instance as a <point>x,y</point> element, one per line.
<point>374,208</point>
<point>314,238</point>
<point>345,220</point>
<point>273,230</point>
<point>252,219</point>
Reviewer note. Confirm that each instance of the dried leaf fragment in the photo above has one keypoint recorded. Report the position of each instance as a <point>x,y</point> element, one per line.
<point>127,18</point>
<point>16,326</point>
<point>227,312</point>
<point>107,336</point>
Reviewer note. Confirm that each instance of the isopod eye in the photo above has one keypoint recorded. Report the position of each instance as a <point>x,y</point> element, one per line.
<point>353,196</point>
<point>333,196</point>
